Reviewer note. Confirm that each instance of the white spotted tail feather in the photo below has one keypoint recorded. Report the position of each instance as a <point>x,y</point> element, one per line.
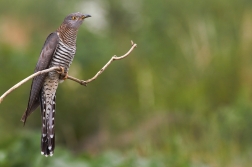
<point>48,135</point>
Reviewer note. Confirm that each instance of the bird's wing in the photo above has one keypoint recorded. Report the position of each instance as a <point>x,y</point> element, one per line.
<point>44,60</point>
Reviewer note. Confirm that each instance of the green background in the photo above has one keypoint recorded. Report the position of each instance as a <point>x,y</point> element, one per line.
<point>181,99</point>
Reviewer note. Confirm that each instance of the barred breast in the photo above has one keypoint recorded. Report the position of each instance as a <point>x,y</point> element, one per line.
<point>63,56</point>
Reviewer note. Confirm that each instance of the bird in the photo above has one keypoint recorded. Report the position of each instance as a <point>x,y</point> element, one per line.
<point>58,51</point>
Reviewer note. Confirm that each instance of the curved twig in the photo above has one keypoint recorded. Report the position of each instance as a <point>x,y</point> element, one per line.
<point>82,82</point>
<point>27,79</point>
<point>59,69</point>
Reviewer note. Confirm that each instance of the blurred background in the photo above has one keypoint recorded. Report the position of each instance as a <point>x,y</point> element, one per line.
<point>181,99</point>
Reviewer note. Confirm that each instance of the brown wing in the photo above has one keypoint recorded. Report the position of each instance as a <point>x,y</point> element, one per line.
<point>45,57</point>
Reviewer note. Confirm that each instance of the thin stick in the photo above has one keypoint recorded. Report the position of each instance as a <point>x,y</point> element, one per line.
<point>59,69</point>
<point>82,82</point>
<point>27,79</point>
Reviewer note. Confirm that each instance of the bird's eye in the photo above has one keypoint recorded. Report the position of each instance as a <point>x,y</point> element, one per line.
<point>73,18</point>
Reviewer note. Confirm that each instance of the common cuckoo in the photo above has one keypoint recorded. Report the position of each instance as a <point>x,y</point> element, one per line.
<point>58,50</point>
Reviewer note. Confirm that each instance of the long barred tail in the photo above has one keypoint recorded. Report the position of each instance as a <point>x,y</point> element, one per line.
<point>48,107</point>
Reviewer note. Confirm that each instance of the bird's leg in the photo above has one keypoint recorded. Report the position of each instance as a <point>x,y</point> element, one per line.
<point>62,73</point>
<point>65,76</point>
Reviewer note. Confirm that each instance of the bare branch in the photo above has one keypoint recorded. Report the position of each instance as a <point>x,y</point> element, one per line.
<point>60,70</point>
<point>27,79</point>
<point>82,82</point>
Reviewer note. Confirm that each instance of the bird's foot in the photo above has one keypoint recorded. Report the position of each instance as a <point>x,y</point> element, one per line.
<point>61,71</point>
<point>63,75</point>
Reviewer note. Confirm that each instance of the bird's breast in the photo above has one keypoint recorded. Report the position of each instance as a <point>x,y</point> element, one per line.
<point>63,56</point>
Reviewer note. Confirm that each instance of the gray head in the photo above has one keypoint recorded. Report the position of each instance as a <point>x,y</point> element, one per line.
<point>74,20</point>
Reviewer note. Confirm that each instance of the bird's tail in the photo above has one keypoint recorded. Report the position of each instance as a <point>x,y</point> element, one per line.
<point>48,106</point>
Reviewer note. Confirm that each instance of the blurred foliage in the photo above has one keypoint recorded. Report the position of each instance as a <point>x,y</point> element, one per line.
<point>182,98</point>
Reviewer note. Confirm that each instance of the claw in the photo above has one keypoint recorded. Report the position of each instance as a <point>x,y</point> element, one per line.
<point>65,76</point>
<point>62,70</point>
<point>62,73</point>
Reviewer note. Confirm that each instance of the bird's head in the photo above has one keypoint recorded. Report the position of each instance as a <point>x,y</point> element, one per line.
<point>74,20</point>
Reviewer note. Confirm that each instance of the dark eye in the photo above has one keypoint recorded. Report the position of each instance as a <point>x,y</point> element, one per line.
<point>73,18</point>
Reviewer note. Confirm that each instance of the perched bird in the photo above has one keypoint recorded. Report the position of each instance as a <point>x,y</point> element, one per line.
<point>58,50</point>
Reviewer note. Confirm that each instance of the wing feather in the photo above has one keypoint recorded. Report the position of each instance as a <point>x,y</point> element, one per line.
<point>44,60</point>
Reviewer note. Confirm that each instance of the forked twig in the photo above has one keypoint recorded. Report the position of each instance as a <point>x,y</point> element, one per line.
<point>59,69</point>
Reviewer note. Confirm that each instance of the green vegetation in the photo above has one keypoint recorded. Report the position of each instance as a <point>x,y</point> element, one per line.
<point>183,98</point>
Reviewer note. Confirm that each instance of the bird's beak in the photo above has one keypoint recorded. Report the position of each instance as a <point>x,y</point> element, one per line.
<point>86,16</point>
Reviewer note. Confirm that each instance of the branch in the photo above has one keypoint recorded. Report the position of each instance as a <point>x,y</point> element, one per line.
<point>82,82</point>
<point>59,69</point>
<point>27,79</point>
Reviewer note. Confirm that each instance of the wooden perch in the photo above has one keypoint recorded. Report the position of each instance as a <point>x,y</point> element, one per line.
<point>59,69</point>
